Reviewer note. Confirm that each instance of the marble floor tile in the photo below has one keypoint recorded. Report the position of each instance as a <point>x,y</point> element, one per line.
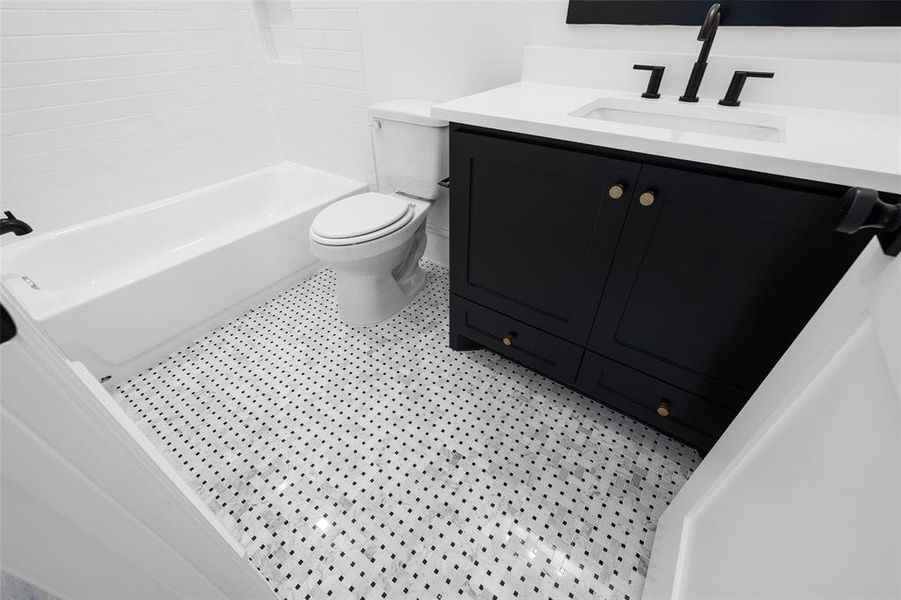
<point>378,463</point>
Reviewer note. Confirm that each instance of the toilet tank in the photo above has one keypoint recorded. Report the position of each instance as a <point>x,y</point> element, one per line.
<point>410,146</point>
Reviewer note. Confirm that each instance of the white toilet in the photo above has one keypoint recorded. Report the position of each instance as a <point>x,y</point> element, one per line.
<point>374,241</point>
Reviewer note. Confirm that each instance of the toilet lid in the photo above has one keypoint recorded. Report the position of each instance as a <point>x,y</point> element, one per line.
<point>359,215</point>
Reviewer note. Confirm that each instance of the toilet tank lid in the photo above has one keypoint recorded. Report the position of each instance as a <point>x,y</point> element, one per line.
<point>417,112</point>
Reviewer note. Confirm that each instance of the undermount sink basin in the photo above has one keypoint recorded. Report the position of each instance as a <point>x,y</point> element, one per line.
<point>710,120</point>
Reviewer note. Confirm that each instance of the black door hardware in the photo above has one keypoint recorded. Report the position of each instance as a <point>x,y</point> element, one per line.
<point>10,224</point>
<point>862,208</point>
<point>706,35</point>
<point>738,83</point>
<point>653,90</point>
<point>445,183</point>
<point>7,326</point>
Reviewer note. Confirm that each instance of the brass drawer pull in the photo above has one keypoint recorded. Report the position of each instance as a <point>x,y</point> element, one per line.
<point>616,191</point>
<point>508,339</point>
<point>647,198</point>
<point>663,409</point>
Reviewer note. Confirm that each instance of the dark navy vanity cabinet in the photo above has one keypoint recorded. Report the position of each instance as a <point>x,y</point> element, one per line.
<point>538,243</point>
<point>665,289</point>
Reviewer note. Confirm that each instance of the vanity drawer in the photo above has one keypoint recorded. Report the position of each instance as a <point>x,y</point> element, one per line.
<point>514,339</point>
<point>668,408</point>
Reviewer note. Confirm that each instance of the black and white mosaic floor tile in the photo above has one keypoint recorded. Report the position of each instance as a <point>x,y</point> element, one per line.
<point>378,463</point>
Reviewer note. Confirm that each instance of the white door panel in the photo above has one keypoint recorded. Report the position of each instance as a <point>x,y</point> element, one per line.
<point>801,498</point>
<point>27,520</point>
<point>90,509</point>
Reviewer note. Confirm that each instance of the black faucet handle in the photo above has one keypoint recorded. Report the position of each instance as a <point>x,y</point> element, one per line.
<point>653,90</point>
<point>738,83</point>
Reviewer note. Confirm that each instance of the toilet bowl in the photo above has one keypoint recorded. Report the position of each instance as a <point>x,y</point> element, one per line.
<point>376,266</point>
<point>373,241</point>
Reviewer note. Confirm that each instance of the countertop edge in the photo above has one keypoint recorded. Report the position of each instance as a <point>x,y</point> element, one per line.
<point>781,166</point>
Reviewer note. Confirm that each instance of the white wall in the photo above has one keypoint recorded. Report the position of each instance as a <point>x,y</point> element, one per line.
<point>107,104</point>
<point>445,49</point>
<point>318,87</point>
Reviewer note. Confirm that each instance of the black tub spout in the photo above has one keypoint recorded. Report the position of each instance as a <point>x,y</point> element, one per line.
<point>10,224</point>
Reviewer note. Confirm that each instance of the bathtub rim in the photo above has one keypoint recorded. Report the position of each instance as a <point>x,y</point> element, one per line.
<point>44,303</point>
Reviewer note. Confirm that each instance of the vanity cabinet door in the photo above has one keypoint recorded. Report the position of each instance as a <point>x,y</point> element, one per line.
<point>534,229</point>
<point>714,277</point>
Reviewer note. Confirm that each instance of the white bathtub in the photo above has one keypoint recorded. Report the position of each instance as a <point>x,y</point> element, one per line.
<point>122,292</point>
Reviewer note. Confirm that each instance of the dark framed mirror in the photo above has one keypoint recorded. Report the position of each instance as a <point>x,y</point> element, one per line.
<point>782,13</point>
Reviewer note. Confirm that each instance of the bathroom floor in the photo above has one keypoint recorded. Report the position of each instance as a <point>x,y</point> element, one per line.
<point>378,463</point>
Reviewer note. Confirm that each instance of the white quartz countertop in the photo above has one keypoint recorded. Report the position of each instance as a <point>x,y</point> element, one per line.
<point>833,146</point>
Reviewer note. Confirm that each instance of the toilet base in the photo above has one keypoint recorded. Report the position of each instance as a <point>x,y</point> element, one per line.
<point>372,291</point>
<point>370,299</point>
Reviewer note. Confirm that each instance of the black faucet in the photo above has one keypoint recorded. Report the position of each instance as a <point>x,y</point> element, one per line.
<point>13,225</point>
<point>706,35</point>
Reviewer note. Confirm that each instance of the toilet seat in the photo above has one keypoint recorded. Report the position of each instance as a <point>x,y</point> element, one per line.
<point>360,218</point>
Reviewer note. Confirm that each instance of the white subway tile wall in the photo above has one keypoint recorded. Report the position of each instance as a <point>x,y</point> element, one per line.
<point>318,87</point>
<point>109,104</point>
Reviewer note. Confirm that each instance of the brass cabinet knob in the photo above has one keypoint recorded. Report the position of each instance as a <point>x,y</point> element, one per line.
<point>508,339</point>
<point>663,409</point>
<point>616,191</point>
<point>647,198</point>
